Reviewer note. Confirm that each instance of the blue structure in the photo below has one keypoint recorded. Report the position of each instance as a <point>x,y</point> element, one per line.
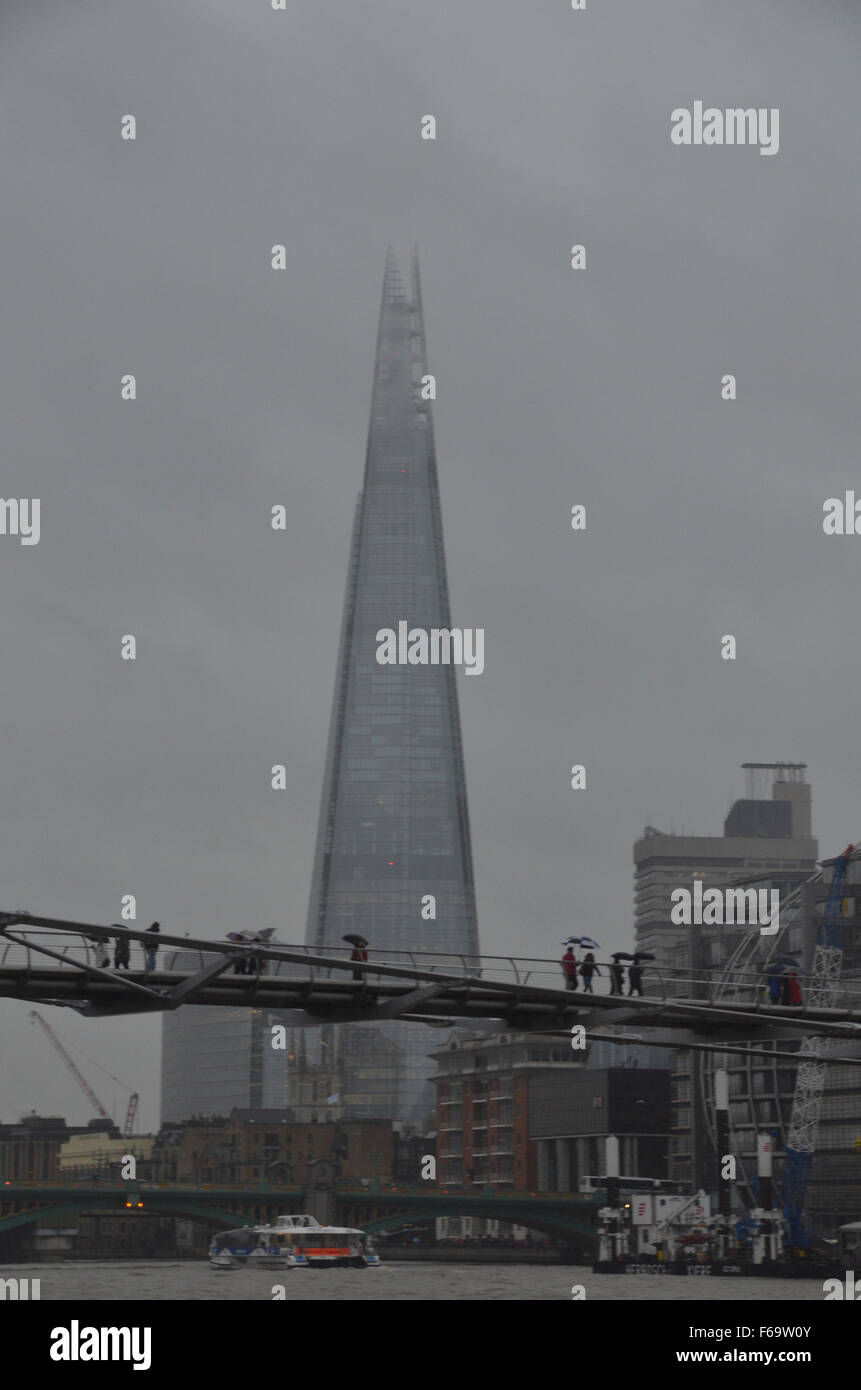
<point>810,1081</point>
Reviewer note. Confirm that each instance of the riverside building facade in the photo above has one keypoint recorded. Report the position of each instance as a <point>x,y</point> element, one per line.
<point>767,842</point>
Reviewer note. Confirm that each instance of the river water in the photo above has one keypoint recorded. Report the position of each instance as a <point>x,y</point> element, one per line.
<point>175,1281</point>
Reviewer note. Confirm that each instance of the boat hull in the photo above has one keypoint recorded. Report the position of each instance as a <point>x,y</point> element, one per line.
<point>253,1259</point>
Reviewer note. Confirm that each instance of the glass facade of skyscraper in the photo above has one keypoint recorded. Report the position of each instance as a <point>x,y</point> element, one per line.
<point>214,1059</point>
<point>394,825</point>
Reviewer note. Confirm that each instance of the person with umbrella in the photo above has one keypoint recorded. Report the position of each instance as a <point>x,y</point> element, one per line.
<point>784,965</point>
<point>778,979</point>
<point>635,973</point>
<point>569,965</point>
<point>243,962</point>
<point>359,954</point>
<point>239,960</point>
<point>617,972</point>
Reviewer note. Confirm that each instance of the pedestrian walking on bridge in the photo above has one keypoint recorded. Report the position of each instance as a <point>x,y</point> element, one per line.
<point>150,951</point>
<point>587,970</point>
<point>359,954</point>
<point>122,951</point>
<point>569,968</point>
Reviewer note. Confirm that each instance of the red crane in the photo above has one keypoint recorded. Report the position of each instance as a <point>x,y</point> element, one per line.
<point>134,1097</point>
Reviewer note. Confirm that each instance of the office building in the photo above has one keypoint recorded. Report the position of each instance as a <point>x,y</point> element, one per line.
<point>767,843</point>
<point>393,840</point>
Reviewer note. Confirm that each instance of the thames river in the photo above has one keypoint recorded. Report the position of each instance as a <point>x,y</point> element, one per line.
<point>182,1281</point>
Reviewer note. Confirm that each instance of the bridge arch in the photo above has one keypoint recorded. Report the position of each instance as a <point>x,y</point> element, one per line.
<point>211,1216</point>
<point>548,1223</point>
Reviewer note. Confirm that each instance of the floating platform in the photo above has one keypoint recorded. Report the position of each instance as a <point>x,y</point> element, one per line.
<point>720,1269</point>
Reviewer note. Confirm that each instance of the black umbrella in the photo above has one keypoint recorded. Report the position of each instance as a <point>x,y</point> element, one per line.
<point>643,955</point>
<point>621,955</point>
<point>778,964</point>
<point>354,940</point>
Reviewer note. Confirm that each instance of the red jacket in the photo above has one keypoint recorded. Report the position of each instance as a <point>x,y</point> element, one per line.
<point>569,962</point>
<point>794,990</point>
<point>359,953</point>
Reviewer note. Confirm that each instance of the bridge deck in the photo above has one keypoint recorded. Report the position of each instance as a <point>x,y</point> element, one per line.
<point>56,962</point>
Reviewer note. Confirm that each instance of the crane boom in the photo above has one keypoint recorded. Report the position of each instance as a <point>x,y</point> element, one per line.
<point>81,1079</point>
<point>810,1077</point>
<point>131,1112</point>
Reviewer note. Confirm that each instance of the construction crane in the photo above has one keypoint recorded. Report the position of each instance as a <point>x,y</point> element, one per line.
<point>134,1096</point>
<point>822,992</point>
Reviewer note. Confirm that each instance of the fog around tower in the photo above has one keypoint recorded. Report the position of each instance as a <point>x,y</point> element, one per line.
<point>555,388</point>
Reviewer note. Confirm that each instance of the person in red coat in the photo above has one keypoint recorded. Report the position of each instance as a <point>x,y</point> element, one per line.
<point>360,954</point>
<point>794,988</point>
<point>569,968</point>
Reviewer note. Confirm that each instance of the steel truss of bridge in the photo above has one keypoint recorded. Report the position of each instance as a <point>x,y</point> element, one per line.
<point>52,961</point>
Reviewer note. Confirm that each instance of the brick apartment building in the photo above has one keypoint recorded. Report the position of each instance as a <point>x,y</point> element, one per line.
<point>483,1087</point>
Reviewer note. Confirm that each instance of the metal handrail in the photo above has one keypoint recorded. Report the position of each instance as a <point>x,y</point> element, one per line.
<point>746,981</point>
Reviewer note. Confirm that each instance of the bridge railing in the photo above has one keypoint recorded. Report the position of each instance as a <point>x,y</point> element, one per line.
<point>749,978</point>
<point>71,949</point>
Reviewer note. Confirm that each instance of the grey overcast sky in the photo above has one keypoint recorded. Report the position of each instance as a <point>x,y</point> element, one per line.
<point>556,387</point>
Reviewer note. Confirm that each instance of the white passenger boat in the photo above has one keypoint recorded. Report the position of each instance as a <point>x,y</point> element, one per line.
<point>293,1242</point>
<point>257,1247</point>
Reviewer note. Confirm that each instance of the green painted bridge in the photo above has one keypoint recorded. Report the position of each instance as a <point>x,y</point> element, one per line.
<point>564,1214</point>
<point>374,1209</point>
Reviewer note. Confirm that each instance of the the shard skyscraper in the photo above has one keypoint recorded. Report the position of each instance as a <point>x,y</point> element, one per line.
<point>394,826</point>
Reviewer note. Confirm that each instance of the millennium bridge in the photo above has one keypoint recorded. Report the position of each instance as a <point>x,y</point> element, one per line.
<point>66,964</point>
